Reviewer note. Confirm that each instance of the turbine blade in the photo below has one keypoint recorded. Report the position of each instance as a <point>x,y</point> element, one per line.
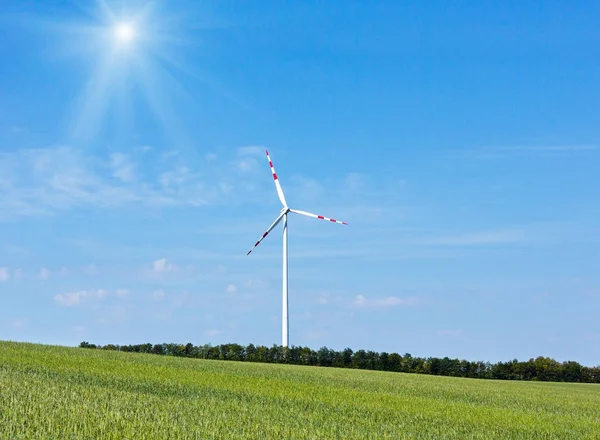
<point>277,184</point>
<point>277,220</point>
<point>309,214</point>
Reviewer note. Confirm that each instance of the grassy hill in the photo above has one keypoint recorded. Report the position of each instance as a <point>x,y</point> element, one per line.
<point>59,392</point>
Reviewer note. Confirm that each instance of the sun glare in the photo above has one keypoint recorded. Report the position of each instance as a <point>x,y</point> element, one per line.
<point>132,54</point>
<point>124,32</point>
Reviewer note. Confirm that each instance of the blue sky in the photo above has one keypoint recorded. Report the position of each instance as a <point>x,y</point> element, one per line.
<point>460,143</point>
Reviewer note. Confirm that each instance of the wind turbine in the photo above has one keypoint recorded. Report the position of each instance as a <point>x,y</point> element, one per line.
<point>283,216</point>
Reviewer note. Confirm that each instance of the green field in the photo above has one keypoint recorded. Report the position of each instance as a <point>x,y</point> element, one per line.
<point>62,393</point>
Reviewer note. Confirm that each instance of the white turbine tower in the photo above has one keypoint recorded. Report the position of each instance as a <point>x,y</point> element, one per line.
<point>283,216</point>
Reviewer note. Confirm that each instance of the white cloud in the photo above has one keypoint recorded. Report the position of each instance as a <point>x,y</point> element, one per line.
<point>44,273</point>
<point>231,288</point>
<point>122,167</point>
<point>143,148</point>
<point>256,284</point>
<point>212,332</point>
<point>391,301</point>
<point>71,299</point>
<point>247,159</point>
<point>161,266</point>
<point>176,178</point>
<point>18,274</point>
<point>4,275</point>
<point>51,180</point>
<point>252,150</point>
<point>158,294</point>
<point>121,292</point>
<point>247,164</point>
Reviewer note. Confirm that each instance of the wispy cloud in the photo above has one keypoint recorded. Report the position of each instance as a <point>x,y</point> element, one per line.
<point>361,301</point>
<point>4,274</point>
<point>162,266</point>
<point>122,167</point>
<point>50,180</point>
<point>256,284</point>
<point>44,273</point>
<point>212,332</point>
<point>71,299</point>
<point>157,295</point>
<point>247,164</point>
<point>231,288</point>
<point>251,150</point>
<point>143,148</point>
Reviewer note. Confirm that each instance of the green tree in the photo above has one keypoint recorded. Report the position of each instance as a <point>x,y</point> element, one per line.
<point>347,357</point>
<point>571,372</point>
<point>324,357</point>
<point>395,362</point>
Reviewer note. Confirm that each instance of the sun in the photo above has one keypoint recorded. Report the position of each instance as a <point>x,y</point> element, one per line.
<point>135,56</point>
<point>124,32</point>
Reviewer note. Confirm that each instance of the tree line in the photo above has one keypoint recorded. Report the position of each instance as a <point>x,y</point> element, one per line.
<point>539,369</point>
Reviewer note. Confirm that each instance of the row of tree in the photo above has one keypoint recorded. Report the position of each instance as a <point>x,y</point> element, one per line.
<point>541,368</point>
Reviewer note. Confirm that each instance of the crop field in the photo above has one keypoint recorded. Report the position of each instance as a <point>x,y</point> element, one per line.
<point>67,393</point>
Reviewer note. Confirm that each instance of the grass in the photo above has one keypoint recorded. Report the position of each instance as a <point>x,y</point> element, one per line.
<point>67,393</point>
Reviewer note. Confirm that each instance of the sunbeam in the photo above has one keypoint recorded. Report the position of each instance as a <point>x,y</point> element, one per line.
<point>128,49</point>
